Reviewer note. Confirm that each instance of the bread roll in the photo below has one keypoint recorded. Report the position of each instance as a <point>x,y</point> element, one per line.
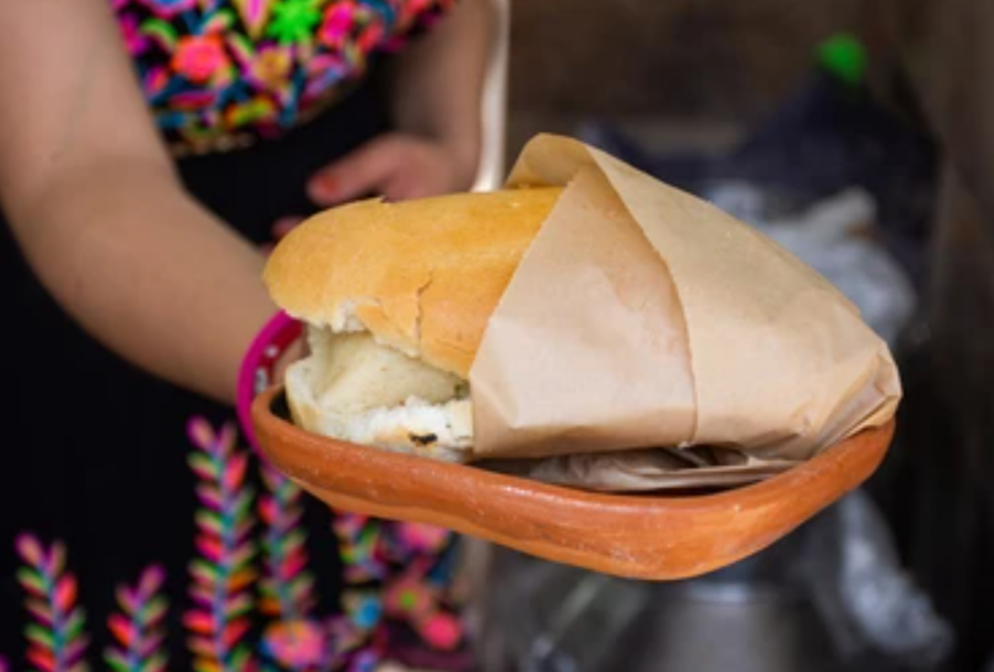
<point>396,297</point>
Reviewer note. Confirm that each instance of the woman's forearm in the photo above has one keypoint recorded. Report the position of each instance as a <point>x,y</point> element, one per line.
<point>100,214</point>
<point>437,85</point>
<point>147,271</point>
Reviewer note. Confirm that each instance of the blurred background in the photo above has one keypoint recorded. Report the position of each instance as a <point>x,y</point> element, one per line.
<point>857,133</point>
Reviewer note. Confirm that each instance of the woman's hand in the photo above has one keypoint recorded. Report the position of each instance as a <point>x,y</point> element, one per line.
<point>436,87</point>
<point>396,166</point>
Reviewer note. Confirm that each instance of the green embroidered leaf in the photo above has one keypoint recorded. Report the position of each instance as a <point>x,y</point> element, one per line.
<point>160,31</point>
<point>116,661</point>
<point>238,606</point>
<point>32,581</point>
<point>296,538</point>
<point>240,659</point>
<point>301,586</point>
<point>244,503</point>
<point>242,556</point>
<point>155,609</point>
<point>241,47</point>
<point>220,21</point>
<point>203,571</point>
<point>74,626</point>
<point>155,663</point>
<point>209,521</point>
<point>203,465</point>
<point>40,636</point>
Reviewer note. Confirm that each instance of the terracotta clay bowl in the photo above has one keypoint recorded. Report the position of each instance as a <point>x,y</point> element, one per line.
<point>643,536</point>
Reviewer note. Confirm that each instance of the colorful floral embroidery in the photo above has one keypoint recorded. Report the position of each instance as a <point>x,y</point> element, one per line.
<point>168,8</point>
<point>294,20</point>
<point>56,636</point>
<point>224,571</point>
<point>296,645</point>
<point>217,68</point>
<point>397,598</point>
<point>199,57</point>
<point>138,628</point>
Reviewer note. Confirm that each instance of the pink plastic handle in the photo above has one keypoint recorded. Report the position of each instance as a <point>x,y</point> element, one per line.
<point>256,373</point>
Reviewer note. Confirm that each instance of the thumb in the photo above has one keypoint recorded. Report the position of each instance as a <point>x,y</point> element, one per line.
<point>364,172</point>
<point>284,225</point>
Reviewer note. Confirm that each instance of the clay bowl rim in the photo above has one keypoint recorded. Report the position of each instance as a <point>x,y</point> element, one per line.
<point>837,470</point>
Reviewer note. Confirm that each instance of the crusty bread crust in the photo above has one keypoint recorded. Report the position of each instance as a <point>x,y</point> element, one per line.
<point>422,276</point>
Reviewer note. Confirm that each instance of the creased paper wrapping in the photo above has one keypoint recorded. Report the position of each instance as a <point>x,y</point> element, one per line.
<point>642,317</point>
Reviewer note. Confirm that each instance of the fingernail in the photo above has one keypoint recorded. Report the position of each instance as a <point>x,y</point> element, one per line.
<point>322,188</point>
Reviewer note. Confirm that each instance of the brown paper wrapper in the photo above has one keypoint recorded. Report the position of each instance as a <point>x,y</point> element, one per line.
<point>642,317</point>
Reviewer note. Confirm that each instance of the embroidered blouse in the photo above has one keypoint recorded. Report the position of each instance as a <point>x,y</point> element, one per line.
<point>219,73</point>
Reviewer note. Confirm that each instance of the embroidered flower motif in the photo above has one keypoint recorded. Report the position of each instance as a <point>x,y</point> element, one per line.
<point>199,57</point>
<point>270,68</point>
<point>294,20</point>
<point>442,631</point>
<point>297,645</point>
<point>339,20</point>
<point>169,8</point>
<point>222,617</point>
<point>211,68</point>
<point>422,538</point>
<point>365,608</point>
<point>135,41</point>
<point>411,597</point>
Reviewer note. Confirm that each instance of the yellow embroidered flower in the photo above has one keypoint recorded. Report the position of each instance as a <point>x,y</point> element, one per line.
<point>271,67</point>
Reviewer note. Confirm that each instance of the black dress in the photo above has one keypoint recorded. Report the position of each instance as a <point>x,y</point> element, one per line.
<point>95,450</point>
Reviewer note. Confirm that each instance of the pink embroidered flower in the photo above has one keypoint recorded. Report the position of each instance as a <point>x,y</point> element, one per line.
<point>199,57</point>
<point>297,645</point>
<point>339,20</point>
<point>417,537</point>
<point>442,631</point>
<point>409,598</point>
<point>134,40</point>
